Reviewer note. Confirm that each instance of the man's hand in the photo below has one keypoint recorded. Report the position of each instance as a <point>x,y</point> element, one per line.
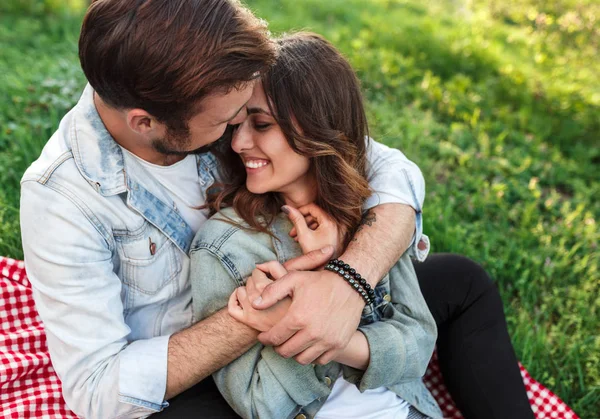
<point>323,316</point>
<point>325,311</point>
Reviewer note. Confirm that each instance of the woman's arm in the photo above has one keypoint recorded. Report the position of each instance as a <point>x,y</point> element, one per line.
<point>259,383</point>
<point>357,354</point>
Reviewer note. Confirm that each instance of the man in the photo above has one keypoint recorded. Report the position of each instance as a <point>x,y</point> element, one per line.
<point>109,210</point>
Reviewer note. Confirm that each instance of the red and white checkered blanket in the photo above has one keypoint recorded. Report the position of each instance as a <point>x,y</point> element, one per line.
<point>30,388</point>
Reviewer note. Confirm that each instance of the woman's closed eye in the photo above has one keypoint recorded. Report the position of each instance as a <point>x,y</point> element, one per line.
<point>262,126</point>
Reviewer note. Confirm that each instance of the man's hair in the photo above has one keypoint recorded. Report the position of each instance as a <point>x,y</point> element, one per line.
<point>165,56</point>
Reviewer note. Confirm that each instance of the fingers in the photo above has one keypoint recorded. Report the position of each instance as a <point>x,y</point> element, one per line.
<point>311,260</point>
<point>242,297</point>
<point>273,268</point>
<point>314,211</point>
<point>327,357</point>
<point>233,306</point>
<point>256,284</point>
<point>310,221</point>
<point>251,284</point>
<point>278,334</point>
<point>304,349</point>
<point>310,355</point>
<point>297,219</point>
<point>297,344</point>
<point>274,292</point>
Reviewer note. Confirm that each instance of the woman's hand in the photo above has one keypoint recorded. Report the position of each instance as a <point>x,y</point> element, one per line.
<point>314,229</point>
<point>240,307</point>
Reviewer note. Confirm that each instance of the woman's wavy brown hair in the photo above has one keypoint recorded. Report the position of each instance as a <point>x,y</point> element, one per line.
<point>315,97</point>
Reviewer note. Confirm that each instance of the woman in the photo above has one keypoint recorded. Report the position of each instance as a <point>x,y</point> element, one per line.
<point>298,157</point>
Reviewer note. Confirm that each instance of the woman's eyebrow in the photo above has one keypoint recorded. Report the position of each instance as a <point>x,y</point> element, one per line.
<point>258,110</point>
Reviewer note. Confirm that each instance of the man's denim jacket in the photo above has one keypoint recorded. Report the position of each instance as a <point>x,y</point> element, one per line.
<point>107,254</point>
<point>400,330</point>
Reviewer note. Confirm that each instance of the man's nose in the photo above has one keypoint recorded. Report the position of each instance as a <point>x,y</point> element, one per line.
<point>240,117</point>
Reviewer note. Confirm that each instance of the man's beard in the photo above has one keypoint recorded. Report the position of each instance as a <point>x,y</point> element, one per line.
<point>176,142</point>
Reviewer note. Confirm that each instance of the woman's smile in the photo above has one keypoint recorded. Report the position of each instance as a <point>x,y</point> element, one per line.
<point>255,164</point>
<point>271,163</point>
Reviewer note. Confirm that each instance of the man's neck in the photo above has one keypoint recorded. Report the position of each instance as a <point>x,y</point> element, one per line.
<point>115,122</point>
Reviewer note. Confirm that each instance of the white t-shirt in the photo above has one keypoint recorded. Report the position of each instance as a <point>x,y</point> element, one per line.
<point>345,401</point>
<point>181,183</point>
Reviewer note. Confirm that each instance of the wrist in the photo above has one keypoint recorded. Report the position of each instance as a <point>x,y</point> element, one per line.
<point>353,278</point>
<point>345,292</point>
<point>357,353</point>
<point>366,266</point>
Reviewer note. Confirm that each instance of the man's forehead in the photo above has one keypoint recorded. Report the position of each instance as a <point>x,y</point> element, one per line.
<point>223,107</point>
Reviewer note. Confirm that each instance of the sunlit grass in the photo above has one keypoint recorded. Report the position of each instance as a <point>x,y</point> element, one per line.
<point>498,102</point>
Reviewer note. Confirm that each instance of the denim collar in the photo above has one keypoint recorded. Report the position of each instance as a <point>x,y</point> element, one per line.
<point>285,246</point>
<point>100,158</point>
<point>97,155</point>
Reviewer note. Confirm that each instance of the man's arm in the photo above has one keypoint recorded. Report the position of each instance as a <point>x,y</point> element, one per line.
<point>385,233</point>
<point>203,348</point>
<point>78,297</point>
<point>217,339</point>
<point>325,311</point>
<point>258,383</point>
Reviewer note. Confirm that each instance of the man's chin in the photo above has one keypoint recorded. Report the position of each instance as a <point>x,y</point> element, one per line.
<point>181,153</point>
<point>201,150</point>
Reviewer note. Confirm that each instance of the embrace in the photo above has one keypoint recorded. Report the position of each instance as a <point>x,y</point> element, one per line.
<point>211,232</point>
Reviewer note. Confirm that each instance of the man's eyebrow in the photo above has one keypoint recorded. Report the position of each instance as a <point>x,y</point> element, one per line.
<point>258,110</point>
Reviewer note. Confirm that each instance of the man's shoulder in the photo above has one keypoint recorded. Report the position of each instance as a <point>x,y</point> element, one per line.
<point>56,154</point>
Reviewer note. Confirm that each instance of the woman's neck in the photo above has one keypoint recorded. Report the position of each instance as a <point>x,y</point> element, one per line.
<point>300,193</point>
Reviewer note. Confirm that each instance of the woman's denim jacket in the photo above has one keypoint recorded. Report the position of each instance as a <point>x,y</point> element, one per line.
<point>400,330</point>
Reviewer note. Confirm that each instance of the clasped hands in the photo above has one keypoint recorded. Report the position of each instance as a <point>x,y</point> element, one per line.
<point>305,314</point>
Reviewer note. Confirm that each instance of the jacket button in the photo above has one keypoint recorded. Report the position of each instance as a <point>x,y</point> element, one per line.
<point>301,416</point>
<point>387,298</point>
<point>327,381</point>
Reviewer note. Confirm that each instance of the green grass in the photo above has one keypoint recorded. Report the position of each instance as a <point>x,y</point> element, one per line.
<point>498,102</point>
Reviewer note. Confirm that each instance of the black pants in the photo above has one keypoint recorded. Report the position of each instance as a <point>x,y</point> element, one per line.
<point>476,356</point>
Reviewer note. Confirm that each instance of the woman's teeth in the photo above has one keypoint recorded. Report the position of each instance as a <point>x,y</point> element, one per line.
<point>256,164</point>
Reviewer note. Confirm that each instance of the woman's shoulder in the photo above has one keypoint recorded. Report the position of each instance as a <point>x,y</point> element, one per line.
<point>227,231</point>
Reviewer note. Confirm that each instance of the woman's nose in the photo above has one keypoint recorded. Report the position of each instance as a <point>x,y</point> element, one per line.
<point>242,138</point>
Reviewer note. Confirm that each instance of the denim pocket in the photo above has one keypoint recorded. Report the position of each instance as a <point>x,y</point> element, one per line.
<point>148,259</point>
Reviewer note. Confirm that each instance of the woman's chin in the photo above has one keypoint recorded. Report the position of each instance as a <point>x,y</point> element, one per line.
<point>257,189</point>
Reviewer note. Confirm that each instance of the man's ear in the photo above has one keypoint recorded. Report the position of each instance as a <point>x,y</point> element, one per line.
<point>141,121</point>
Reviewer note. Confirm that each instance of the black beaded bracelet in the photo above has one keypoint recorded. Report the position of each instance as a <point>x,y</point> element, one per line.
<point>349,274</point>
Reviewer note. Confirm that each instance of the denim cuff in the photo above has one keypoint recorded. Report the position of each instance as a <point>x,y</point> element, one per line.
<point>388,357</point>
<point>143,373</point>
